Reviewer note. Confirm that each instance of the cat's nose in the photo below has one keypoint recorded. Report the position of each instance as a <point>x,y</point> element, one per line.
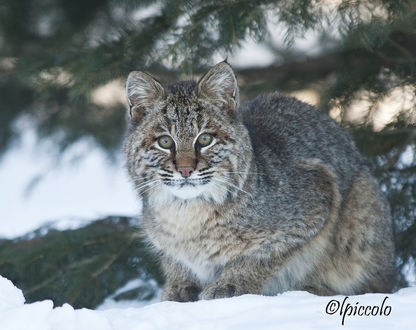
<point>185,171</point>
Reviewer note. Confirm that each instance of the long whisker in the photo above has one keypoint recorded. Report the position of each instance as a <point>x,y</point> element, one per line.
<point>146,183</point>
<point>234,186</point>
<point>222,187</point>
<point>141,193</point>
<point>243,173</point>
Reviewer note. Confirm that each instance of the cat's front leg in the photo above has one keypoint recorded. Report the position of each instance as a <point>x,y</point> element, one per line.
<point>244,275</point>
<point>226,289</point>
<point>181,291</point>
<point>180,284</point>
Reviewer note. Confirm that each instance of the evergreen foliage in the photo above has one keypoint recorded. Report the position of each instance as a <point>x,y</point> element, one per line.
<point>83,266</point>
<point>54,53</point>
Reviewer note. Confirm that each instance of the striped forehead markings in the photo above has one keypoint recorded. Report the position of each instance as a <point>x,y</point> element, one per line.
<point>173,129</point>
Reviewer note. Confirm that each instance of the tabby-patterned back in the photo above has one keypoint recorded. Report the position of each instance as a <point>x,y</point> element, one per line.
<point>184,141</point>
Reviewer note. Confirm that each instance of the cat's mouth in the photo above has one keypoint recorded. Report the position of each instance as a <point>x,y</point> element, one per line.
<point>185,182</point>
<point>187,188</point>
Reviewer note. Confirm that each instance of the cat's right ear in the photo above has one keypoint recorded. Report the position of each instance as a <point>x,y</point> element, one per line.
<point>144,93</point>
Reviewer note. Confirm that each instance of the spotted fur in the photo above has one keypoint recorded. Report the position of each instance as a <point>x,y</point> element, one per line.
<point>280,200</point>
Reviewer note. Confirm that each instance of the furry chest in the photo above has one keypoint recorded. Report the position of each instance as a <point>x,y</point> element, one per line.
<point>192,235</point>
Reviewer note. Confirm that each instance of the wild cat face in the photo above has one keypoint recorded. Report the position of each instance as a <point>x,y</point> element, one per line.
<point>184,140</point>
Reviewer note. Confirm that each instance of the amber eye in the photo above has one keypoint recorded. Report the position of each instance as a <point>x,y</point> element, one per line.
<point>205,139</point>
<point>165,142</point>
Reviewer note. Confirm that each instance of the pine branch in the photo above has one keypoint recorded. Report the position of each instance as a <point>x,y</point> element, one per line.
<point>82,266</point>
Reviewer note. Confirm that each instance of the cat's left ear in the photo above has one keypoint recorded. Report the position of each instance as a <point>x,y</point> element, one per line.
<point>220,85</point>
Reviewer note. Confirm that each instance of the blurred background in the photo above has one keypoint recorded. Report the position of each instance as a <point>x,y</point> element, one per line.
<point>69,226</point>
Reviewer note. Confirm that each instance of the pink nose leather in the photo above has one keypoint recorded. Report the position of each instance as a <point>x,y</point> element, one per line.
<point>185,171</point>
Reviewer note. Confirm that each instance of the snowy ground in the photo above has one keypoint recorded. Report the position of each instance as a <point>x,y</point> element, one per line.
<point>291,310</point>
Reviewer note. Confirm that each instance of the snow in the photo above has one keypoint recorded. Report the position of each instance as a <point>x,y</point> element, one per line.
<point>10,296</point>
<point>83,186</point>
<point>111,303</point>
<point>290,310</point>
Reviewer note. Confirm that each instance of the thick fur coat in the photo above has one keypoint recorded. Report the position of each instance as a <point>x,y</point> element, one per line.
<point>260,198</point>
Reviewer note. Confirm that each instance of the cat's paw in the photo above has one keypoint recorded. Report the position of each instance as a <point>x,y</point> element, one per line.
<point>220,289</point>
<point>181,292</point>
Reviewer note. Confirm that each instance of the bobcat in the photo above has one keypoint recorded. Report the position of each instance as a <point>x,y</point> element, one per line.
<point>260,198</point>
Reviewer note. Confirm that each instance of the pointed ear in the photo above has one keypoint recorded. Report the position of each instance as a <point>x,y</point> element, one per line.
<point>144,93</point>
<point>220,85</point>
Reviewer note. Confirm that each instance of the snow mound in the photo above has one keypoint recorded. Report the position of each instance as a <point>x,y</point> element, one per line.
<point>10,296</point>
<point>289,310</point>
